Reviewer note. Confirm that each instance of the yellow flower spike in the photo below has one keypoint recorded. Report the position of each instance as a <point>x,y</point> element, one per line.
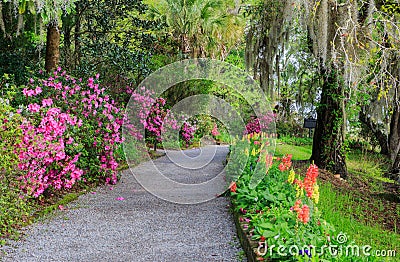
<point>291,177</point>
<point>315,195</point>
<point>246,151</point>
<point>299,189</point>
<point>253,152</point>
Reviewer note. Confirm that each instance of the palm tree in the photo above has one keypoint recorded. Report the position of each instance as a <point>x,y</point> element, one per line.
<point>201,27</point>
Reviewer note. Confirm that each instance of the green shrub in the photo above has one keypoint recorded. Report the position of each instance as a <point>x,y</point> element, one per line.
<point>290,128</point>
<point>14,209</point>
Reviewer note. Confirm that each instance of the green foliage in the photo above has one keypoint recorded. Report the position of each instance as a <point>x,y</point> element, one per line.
<point>390,7</point>
<point>186,89</point>
<point>235,99</point>
<point>224,137</point>
<point>268,215</point>
<point>236,58</point>
<point>137,152</point>
<point>19,49</point>
<point>11,132</point>
<point>48,11</point>
<point>201,28</point>
<point>111,38</point>
<point>205,125</point>
<point>290,128</point>
<point>63,201</point>
<point>14,210</point>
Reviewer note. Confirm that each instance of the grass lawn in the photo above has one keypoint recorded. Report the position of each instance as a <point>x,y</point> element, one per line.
<point>298,152</point>
<point>348,214</point>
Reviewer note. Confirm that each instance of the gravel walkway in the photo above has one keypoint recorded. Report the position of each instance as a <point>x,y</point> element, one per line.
<point>129,224</point>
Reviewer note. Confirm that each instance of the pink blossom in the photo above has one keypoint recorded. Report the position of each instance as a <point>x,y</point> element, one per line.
<point>34,108</point>
<point>47,102</point>
<point>29,92</point>
<point>38,90</point>
<point>53,111</point>
<point>60,155</point>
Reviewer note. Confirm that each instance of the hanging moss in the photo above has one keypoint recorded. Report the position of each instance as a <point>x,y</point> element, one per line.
<point>265,39</point>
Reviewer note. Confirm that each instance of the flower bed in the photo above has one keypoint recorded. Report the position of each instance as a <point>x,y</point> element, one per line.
<point>278,219</point>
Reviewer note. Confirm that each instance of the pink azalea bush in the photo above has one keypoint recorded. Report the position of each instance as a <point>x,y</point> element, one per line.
<point>73,131</point>
<point>187,132</point>
<point>154,116</point>
<point>254,125</point>
<point>42,153</point>
<point>142,100</point>
<point>155,120</point>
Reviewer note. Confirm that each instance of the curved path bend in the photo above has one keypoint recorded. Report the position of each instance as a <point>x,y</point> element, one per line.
<point>126,223</point>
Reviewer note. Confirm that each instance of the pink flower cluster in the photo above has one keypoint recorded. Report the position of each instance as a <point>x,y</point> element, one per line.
<point>42,153</point>
<point>303,212</point>
<point>214,131</point>
<point>72,134</point>
<point>187,132</point>
<point>286,163</point>
<point>155,117</point>
<point>155,120</point>
<point>143,102</point>
<point>256,126</point>
<point>309,181</point>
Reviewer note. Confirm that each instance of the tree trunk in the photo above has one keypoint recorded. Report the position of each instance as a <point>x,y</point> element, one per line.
<point>394,135</point>
<point>394,138</point>
<point>328,136</point>
<point>52,47</point>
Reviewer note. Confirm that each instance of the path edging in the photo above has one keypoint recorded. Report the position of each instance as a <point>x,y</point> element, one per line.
<point>249,246</point>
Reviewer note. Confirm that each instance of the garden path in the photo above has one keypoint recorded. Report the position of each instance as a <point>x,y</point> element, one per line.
<point>126,223</point>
